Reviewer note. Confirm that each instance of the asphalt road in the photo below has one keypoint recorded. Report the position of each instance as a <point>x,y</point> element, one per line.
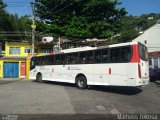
<point>29,97</point>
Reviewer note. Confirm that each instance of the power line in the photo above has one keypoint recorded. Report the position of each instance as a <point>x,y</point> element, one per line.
<point>17,2</point>
<point>15,35</point>
<point>12,31</point>
<point>42,8</point>
<point>19,6</point>
<point>60,9</point>
<point>53,8</point>
<point>45,5</point>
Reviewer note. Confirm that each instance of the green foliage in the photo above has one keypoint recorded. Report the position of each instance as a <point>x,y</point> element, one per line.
<point>24,23</point>
<point>2,5</point>
<point>77,19</point>
<point>80,18</point>
<point>11,24</point>
<point>128,35</point>
<point>132,25</point>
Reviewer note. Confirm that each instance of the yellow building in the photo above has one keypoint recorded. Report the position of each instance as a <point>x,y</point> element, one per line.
<point>14,63</point>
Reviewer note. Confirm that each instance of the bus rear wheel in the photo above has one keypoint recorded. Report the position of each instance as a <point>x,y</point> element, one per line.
<point>39,78</point>
<point>81,82</point>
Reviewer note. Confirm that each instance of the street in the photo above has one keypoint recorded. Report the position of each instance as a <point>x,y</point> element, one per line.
<point>30,97</point>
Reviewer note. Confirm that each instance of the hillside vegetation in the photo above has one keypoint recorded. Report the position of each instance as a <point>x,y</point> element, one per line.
<point>80,19</point>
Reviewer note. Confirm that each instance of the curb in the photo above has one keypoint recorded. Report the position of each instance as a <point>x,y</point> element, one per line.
<point>9,79</point>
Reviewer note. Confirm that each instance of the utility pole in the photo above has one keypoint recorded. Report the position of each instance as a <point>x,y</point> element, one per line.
<point>33,26</point>
<point>59,44</point>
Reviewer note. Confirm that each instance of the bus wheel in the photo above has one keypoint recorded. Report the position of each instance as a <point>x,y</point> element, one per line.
<point>81,82</point>
<point>39,78</point>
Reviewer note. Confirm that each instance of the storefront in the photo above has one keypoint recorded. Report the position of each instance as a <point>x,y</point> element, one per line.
<point>11,67</point>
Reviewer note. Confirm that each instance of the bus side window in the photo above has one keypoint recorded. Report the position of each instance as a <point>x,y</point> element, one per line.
<point>105,56</point>
<point>39,61</point>
<point>125,54</point>
<point>57,59</point>
<point>68,58</point>
<point>51,60</point>
<point>74,58</point>
<point>98,56</point>
<point>90,57</point>
<point>44,62</point>
<point>115,55</point>
<point>62,60</point>
<point>82,58</point>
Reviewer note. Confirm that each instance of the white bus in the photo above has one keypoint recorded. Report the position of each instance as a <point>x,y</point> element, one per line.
<point>124,64</point>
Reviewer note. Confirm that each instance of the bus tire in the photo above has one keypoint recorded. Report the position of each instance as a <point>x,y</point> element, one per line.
<point>39,78</point>
<point>81,82</point>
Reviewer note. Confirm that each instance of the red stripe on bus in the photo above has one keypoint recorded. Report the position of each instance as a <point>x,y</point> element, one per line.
<point>139,70</point>
<point>135,54</point>
<point>110,71</point>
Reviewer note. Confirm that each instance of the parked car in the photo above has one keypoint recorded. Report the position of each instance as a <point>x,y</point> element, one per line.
<point>154,74</point>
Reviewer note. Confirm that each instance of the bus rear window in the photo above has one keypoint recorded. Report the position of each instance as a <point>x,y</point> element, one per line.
<point>143,52</point>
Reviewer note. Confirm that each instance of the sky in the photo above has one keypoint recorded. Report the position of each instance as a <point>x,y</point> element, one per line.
<point>139,7</point>
<point>20,7</point>
<point>133,7</point>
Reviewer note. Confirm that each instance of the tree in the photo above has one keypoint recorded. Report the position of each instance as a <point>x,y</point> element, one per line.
<point>80,18</point>
<point>24,23</point>
<point>2,14</point>
<point>132,25</point>
<point>3,17</point>
<point>2,5</point>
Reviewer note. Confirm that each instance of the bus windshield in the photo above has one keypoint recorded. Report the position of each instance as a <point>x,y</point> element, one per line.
<point>32,63</point>
<point>143,52</point>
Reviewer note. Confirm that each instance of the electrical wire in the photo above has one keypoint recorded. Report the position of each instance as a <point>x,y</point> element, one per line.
<point>60,9</point>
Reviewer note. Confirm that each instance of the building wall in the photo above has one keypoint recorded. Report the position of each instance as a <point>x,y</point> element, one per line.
<point>0,49</point>
<point>151,38</point>
<point>44,50</point>
<point>1,69</point>
<point>22,47</point>
<point>40,51</point>
<point>27,68</point>
<point>13,61</point>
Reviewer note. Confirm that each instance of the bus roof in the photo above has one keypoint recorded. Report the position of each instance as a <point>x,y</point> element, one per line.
<point>93,48</point>
<point>78,49</point>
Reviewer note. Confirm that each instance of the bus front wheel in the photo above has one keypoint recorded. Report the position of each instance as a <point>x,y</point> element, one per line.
<point>39,78</point>
<point>81,82</point>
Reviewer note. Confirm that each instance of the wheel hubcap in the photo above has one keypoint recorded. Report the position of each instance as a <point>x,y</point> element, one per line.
<point>81,83</point>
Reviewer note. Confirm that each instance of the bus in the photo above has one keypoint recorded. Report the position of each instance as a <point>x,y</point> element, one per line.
<point>124,64</point>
